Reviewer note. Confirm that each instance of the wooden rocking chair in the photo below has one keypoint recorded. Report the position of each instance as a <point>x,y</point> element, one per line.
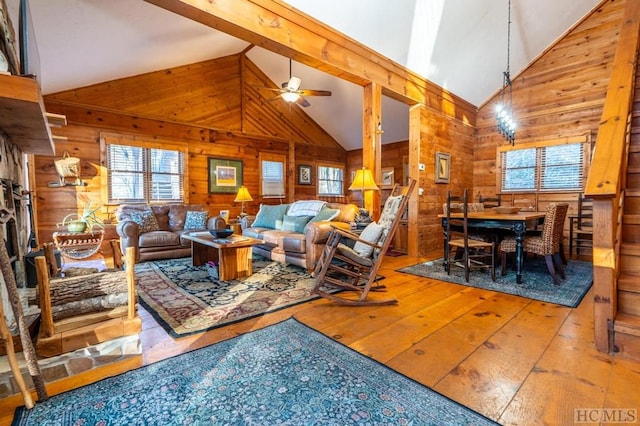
<point>351,262</point>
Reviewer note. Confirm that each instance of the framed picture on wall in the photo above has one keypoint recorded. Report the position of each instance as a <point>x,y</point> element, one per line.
<point>225,175</point>
<point>304,175</point>
<point>387,177</point>
<point>443,167</point>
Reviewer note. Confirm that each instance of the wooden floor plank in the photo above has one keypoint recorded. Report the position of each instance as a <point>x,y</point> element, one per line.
<point>433,357</point>
<point>489,378</point>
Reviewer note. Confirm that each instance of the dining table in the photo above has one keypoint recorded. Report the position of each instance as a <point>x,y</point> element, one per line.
<point>518,223</point>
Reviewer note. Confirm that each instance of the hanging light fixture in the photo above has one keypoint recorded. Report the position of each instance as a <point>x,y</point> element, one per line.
<point>504,110</point>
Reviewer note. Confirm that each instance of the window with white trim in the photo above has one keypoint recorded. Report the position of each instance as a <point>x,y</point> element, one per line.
<point>546,167</point>
<point>330,180</point>
<point>137,174</point>
<point>272,175</point>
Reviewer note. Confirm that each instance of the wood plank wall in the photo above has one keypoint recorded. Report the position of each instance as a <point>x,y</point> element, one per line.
<point>561,94</point>
<point>171,105</point>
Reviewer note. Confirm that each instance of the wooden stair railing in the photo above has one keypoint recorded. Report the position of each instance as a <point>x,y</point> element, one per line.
<point>606,182</point>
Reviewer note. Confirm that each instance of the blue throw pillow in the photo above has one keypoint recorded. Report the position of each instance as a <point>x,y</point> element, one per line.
<point>295,223</point>
<point>196,220</point>
<point>268,216</point>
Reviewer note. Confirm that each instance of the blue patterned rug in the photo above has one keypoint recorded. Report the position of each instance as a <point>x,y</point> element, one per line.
<point>184,299</point>
<point>536,282</point>
<point>284,374</point>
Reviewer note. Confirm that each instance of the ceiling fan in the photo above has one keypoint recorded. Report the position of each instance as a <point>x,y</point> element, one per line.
<point>291,91</point>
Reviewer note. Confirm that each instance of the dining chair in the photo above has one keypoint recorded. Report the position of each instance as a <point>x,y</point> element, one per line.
<point>581,227</point>
<point>351,262</point>
<point>471,253</point>
<point>490,202</point>
<point>547,244</point>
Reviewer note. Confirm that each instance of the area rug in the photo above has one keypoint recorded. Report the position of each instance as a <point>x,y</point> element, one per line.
<point>284,374</point>
<point>184,299</point>
<point>536,282</point>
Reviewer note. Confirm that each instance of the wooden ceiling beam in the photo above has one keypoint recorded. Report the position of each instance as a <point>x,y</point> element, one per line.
<point>282,29</point>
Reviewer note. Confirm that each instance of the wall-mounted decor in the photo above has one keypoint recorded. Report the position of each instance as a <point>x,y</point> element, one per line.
<point>387,177</point>
<point>443,167</point>
<point>304,175</point>
<point>225,175</point>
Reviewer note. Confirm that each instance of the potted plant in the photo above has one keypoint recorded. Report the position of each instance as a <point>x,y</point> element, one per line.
<point>82,222</point>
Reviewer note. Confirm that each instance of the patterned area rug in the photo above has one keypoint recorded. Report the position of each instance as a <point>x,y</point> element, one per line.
<point>286,374</point>
<point>184,299</point>
<point>536,282</point>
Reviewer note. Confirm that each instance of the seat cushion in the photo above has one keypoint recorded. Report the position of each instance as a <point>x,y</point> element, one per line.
<point>159,239</point>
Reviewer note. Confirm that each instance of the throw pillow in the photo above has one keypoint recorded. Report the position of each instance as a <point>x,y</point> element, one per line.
<point>146,221</point>
<point>268,216</point>
<point>306,208</point>
<point>325,214</point>
<point>195,220</point>
<point>370,234</point>
<point>295,223</point>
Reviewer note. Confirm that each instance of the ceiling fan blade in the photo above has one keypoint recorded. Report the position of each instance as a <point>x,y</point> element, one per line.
<point>309,92</point>
<point>273,98</point>
<point>270,89</point>
<point>303,102</point>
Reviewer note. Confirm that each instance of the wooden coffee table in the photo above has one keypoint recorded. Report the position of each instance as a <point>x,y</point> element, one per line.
<point>233,254</point>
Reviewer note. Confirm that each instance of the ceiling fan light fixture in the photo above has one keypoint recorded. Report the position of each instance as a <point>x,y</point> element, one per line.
<point>290,97</point>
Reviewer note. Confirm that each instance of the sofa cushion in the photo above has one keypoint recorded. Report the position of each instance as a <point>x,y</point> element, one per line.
<point>370,234</point>
<point>325,213</point>
<point>158,239</point>
<point>268,215</point>
<point>196,220</point>
<point>306,208</point>
<point>347,212</point>
<point>146,221</point>
<point>295,223</point>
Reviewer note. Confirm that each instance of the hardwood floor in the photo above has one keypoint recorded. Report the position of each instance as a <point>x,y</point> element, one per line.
<point>517,361</point>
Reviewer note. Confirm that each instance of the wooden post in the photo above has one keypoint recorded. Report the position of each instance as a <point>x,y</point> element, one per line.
<point>371,143</point>
<point>130,260</point>
<point>46,316</point>
<point>5,333</point>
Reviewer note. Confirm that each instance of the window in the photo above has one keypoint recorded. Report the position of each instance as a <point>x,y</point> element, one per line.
<point>139,174</point>
<point>551,166</point>
<point>272,175</point>
<point>330,180</point>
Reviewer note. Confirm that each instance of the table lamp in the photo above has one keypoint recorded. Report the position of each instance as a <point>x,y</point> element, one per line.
<point>363,181</point>
<point>242,196</point>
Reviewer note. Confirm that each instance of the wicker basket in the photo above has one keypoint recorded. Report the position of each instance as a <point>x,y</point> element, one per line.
<point>67,166</point>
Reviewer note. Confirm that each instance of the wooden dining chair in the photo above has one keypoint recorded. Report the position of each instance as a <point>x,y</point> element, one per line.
<point>470,253</point>
<point>547,244</point>
<point>490,202</point>
<point>581,227</point>
<point>351,262</point>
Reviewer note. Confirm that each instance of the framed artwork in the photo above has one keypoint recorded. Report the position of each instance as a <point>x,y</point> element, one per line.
<point>387,177</point>
<point>225,175</point>
<point>225,215</point>
<point>443,167</point>
<point>304,175</point>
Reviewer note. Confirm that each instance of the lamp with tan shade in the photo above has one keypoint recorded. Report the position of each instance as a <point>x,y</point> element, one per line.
<point>242,196</point>
<point>363,181</point>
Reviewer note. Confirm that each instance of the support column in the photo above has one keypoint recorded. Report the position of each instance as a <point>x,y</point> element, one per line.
<point>415,124</point>
<point>372,143</point>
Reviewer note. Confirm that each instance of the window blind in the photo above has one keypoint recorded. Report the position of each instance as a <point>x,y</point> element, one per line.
<point>272,178</point>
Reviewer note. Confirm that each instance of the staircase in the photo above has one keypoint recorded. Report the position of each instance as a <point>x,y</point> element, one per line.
<point>626,327</point>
